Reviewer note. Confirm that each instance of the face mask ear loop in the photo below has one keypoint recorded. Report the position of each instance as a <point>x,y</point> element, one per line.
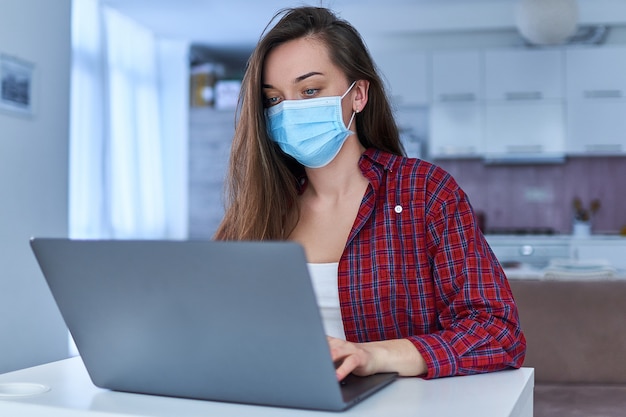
<point>353,113</point>
<point>348,90</point>
<point>351,119</point>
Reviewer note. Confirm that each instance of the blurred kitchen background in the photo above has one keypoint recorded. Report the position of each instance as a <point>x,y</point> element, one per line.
<point>527,125</point>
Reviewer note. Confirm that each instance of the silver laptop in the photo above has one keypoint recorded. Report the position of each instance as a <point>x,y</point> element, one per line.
<point>224,321</point>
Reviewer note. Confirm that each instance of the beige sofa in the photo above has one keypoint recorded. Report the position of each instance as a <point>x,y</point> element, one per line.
<point>576,341</point>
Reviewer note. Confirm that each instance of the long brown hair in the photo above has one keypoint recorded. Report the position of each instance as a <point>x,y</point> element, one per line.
<point>262,181</point>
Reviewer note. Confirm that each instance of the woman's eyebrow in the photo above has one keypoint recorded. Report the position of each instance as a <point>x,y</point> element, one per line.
<point>298,79</point>
<point>305,76</point>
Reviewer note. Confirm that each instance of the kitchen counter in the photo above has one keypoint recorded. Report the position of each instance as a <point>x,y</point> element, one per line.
<point>561,256</point>
<point>594,238</point>
<point>526,272</point>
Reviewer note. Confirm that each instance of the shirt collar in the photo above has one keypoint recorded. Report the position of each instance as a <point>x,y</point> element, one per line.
<point>374,163</point>
<point>385,159</point>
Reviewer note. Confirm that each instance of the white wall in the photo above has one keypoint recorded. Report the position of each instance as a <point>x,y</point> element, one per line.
<point>174,85</point>
<point>33,181</point>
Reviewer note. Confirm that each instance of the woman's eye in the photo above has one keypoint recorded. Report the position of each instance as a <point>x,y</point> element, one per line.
<point>271,101</point>
<point>310,92</point>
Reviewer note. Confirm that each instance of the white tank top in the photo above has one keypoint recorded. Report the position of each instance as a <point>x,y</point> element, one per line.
<point>324,277</point>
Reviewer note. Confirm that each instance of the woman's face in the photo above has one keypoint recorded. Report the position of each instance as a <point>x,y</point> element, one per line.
<point>301,69</point>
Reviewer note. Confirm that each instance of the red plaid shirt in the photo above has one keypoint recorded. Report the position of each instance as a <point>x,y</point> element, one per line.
<point>416,266</point>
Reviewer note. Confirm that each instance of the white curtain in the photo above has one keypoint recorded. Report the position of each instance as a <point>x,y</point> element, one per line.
<point>128,127</point>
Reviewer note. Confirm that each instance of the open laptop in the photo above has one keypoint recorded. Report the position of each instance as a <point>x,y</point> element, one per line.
<point>224,321</point>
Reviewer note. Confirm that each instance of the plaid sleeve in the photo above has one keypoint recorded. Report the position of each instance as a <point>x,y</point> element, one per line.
<point>477,316</point>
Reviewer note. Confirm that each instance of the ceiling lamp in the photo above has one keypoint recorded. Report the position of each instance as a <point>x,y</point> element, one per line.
<point>546,22</point>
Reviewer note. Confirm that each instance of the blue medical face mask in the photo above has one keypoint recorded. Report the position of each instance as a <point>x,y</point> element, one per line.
<point>310,130</point>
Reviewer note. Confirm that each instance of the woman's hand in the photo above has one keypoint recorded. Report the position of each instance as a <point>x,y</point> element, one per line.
<point>364,359</point>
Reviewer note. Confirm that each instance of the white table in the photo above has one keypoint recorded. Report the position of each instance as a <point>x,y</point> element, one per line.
<point>72,394</point>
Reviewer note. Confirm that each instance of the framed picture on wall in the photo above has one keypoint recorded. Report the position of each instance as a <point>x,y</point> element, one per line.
<point>16,85</point>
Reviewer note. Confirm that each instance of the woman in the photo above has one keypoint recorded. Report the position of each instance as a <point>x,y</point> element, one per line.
<point>392,242</point>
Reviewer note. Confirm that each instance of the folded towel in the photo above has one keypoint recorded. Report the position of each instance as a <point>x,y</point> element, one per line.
<point>579,270</point>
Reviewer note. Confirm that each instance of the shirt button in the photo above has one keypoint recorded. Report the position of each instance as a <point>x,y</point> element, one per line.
<point>398,209</point>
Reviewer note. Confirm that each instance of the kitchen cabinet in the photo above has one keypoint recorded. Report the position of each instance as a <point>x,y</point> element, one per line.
<point>596,106</point>
<point>457,76</point>
<point>596,127</point>
<point>601,249</point>
<point>406,75</point>
<point>523,75</point>
<point>536,251</point>
<point>540,251</point>
<point>596,72</point>
<point>456,130</point>
<point>525,132</point>
<point>524,111</point>
<point>457,113</point>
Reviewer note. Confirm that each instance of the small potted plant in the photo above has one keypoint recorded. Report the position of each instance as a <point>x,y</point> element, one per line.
<point>583,216</point>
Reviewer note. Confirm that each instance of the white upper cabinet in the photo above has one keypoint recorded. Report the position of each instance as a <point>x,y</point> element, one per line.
<point>526,132</point>
<point>456,115</point>
<point>456,130</point>
<point>524,104</point>
<point>524,110</point>
<point>406,75</point>
<point>596,106</point>
<point>522,75</point>
<point>596,72</point>
<point>457,76</point>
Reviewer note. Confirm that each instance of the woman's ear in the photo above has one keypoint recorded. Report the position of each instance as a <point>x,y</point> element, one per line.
<point>360,98</point>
